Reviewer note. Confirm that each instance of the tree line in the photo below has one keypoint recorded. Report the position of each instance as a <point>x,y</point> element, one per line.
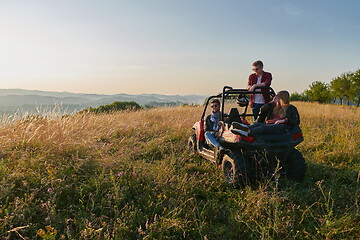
<point>345,88</point>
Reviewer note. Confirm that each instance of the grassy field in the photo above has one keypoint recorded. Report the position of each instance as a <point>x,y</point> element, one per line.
<point>127,175</point>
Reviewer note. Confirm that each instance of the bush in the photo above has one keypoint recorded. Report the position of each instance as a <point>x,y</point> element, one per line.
<point>298,97</point>
<point>115,106</point>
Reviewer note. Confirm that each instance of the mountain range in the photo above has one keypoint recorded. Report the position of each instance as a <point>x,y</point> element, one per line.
<point>32,101</point>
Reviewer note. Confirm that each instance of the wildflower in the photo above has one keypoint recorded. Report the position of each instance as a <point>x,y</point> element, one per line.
<point>49,190</point>
<point>121,173</point>
<point>318,183</point>
<point>50,230</point>
<point>133,173</point>
<point>40,233</point>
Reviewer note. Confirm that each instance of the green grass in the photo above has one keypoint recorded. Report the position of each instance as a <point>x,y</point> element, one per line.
<point>127,176</point>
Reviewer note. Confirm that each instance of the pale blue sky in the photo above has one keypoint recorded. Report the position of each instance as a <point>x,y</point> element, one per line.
<point>174,46</point>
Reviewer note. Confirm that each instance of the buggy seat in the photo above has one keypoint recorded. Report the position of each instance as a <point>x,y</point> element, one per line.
<point>234,116</point>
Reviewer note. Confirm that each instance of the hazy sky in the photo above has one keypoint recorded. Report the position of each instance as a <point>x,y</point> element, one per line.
<point>174,46</point>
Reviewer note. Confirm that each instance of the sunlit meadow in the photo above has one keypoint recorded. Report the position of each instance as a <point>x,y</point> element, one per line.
<point>127,175</point>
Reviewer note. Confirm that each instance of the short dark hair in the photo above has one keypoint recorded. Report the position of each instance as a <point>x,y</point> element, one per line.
<point>258,63</point>
<point>215,101</point>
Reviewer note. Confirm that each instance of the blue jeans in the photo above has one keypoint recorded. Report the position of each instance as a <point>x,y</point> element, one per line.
<point>256,110</point>
<point>210,138</point>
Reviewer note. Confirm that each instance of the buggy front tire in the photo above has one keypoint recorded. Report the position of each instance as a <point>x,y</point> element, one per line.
<point>233,167</point>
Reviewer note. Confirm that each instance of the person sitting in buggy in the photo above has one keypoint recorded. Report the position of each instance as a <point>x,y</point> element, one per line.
<point>212,125</point>
<point>276,117</point>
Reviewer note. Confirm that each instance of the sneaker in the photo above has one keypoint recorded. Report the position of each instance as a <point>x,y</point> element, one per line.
<point>240,132</point>
<point>240,126</point>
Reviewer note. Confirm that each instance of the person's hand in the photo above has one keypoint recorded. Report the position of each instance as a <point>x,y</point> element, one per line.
<point>276,99</point>
<point>271,121</point>
<point>252,88</point>
<point>280,121</point>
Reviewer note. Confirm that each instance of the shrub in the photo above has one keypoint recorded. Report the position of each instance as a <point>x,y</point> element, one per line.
<point>115,106</point>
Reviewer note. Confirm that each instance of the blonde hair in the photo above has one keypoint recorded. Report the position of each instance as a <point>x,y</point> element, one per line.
<point>285,96</point>
<point>281,110</point>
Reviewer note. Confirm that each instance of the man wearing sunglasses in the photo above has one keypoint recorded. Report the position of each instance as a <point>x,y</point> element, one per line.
<point>212,127</point>
<point>259,78</point>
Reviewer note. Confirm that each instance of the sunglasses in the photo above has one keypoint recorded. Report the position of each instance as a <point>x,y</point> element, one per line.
<point>215,105</point>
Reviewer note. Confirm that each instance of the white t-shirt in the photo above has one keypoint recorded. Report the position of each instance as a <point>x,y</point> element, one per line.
<point>259,98</point>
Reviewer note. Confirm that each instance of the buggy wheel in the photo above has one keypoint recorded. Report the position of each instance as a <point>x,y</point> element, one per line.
<point>296,166</point>
<point>233,167</point>
<point>192,146</point>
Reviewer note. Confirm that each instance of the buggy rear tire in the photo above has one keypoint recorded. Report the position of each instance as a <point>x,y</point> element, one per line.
<point>192,146</point>
<point>296,166</point>
<point>233,167</point>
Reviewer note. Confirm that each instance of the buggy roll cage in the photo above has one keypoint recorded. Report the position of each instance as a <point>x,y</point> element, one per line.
<point>228,91</point>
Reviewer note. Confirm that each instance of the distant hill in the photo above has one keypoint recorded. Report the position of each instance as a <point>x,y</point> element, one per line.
<point>20,100</point>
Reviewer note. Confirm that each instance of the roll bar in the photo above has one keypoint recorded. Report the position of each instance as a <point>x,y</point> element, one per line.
<point>227,90</point>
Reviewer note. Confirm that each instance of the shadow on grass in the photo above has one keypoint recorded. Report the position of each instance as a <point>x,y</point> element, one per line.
<point>343,184</point>
<point>328,200</point>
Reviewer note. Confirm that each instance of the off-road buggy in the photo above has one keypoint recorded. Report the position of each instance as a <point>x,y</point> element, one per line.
<point>248,159</point>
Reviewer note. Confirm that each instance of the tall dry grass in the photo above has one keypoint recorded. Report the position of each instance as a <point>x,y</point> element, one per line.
<point>332,133</point>
<point>126,175</point>
<point>86,129</point>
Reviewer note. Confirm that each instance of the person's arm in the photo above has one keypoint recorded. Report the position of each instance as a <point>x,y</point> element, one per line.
<point>251,82</point>
<point>292,117</point>
<point>252,88</point>
<point>266,82</point>
<point>264,112</point>
<point>207,125</point>
<point>267,79</point>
